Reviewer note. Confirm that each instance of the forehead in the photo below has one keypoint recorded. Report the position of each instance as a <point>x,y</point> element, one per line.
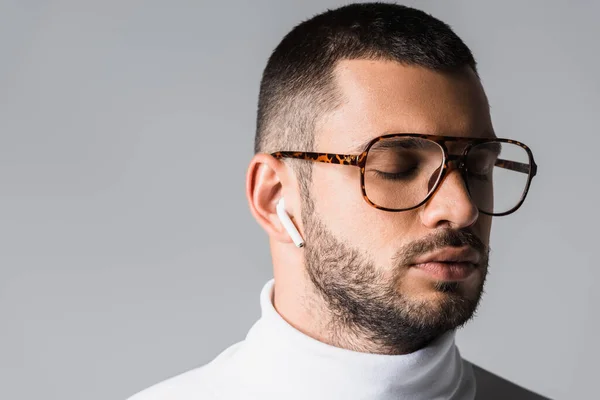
<point>380,97</point>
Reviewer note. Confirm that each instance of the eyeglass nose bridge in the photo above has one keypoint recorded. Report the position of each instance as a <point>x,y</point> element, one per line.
<point>455,161</point>
<point>452,162</point>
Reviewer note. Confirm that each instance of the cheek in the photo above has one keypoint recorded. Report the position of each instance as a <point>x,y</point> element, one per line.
<point>394,231</point>
<point>338,200</point>
<point>341,206</point>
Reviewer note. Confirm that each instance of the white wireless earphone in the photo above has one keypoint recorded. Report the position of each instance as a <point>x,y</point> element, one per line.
<point>288,224</point>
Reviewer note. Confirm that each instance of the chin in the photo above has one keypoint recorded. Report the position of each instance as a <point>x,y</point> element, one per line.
<point>437,296</point>
<point>449,310</point>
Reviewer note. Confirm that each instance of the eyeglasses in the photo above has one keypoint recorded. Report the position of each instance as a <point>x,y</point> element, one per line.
<point>401,171</point>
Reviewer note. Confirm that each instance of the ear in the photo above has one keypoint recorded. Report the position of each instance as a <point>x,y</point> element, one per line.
<point>268,180</point>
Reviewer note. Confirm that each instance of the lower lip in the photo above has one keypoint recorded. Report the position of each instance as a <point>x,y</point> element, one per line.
<point>447,271</point>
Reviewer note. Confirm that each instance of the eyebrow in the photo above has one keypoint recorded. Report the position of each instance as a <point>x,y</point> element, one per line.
<point>399,142</point>
<point>405,142</point>
<point>494,147</point>
<point>411,143</point>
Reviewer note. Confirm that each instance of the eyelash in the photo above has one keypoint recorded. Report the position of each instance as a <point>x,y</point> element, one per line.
<point>395,176</point>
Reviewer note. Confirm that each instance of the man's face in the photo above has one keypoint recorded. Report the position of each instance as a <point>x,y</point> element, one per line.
<point>361,258</point>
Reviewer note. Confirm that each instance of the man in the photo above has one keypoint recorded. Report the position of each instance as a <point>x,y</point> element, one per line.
<point>376,176</point>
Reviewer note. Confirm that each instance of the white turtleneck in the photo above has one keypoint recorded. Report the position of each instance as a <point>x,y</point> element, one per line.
<point>276,361</point>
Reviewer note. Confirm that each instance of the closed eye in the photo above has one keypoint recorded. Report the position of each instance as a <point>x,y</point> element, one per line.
<point>400,175</point>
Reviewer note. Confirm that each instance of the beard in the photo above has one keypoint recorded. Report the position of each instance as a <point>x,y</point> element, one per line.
<point>364,302</point>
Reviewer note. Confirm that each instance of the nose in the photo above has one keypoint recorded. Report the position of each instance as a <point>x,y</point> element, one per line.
<point>450,205</point>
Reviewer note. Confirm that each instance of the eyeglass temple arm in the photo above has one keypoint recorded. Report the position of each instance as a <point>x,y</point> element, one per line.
<point>330,158</point>
<point>516,166</point>
<point>354,159</point>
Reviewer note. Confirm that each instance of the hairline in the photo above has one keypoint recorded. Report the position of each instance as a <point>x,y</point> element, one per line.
<point>333,85</point>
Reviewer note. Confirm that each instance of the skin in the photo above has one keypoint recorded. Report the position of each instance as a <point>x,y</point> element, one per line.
<point>351,286</point>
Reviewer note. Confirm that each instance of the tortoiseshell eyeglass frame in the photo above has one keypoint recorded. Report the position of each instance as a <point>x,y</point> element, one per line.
<point>360,160</point>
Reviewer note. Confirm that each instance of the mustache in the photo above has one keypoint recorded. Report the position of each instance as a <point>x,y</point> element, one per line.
<point>441,239</point>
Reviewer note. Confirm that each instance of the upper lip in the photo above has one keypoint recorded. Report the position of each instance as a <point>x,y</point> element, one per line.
<point>450,254</point>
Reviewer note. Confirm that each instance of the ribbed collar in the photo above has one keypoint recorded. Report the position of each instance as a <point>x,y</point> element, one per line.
<point>277,359</point>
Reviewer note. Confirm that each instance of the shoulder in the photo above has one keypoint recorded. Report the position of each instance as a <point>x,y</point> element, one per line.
<point>493,387</point>
<point>199,383</point>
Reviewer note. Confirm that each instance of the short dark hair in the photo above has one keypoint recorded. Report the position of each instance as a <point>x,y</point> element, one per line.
<point>297,86</point>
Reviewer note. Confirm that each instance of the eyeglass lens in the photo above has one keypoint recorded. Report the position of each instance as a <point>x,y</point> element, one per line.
<point>401,172</point>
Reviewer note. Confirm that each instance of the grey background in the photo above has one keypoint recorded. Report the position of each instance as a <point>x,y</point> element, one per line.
<point>127,251</point>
